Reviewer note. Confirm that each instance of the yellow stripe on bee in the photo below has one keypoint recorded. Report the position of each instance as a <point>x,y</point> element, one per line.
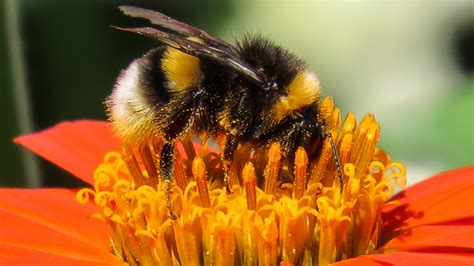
<point>181,70</point>
<point>302,91</point>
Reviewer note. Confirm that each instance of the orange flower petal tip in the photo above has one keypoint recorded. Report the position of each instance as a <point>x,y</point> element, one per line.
<point>443,236</point>
<point>19,255</point>
<point>46,225</point>
<point>440,199</point>
<point>359,261</point>
<point>434,257</point>
<point>77,147</point>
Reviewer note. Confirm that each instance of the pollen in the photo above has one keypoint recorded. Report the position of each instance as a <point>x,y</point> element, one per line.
<point>273,215</point>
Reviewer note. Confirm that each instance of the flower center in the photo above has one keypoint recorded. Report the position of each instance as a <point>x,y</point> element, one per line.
<point>272,215</point>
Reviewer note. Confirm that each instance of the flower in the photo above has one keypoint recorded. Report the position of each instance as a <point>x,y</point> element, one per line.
<point>308,220</point>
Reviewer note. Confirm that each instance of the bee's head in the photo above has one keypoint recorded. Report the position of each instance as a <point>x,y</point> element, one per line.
<point>290,86</point>
<point>275,63</point>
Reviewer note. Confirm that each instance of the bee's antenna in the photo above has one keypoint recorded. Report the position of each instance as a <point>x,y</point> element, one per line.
<point>336,159</point>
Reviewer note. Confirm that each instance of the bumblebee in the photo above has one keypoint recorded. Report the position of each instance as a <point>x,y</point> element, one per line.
<point>254,92</point>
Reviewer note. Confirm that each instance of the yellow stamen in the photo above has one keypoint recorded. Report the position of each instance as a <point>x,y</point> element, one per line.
<point>273,168</point>
<point>271,217</point>
<point>225,247</point>
<point>320,168</point>
<point>180,175</point>
<point>248,174</point>
<point>133,166</point>
<point>301,162</point>
<point>200,175</point>
<point>149,161</point>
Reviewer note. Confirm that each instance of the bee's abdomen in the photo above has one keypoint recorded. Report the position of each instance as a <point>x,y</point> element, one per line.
<point>140,90</point>
<point>153,82</point>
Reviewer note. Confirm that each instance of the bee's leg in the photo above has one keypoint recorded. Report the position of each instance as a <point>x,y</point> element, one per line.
<point>166,167</point>
<point>176,116</point>
<point>228,152</point>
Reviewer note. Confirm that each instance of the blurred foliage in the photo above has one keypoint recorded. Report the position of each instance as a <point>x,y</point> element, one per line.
<point>11,167</point>
<point>445,135</point>
<point>394,59</point>
<point>73,57</point>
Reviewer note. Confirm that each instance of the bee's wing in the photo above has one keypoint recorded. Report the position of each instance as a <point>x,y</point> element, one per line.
<point>178,27</point>
<point>200,50</point>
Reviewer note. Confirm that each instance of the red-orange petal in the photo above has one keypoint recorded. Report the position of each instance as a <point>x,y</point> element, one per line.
<point>423,258</point>
<point>47,225</point>
<point>17,255</point>
<point>447,237</point>
<point>359,261</point>
<point>444,198</point>
<point>411,259</point>
<point>78,147</point>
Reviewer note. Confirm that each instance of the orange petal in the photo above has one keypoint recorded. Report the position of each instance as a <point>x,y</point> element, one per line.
<point>78,147</point>
<point>411,258</point>
<point>359,261</point>
<point>16,255</point>
<point>441,237</point>
<point>49,222</point>
<point>423,258</point>
<point>443,198</point>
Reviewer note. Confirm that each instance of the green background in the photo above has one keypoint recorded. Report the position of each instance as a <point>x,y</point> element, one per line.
<point>409,63</point>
